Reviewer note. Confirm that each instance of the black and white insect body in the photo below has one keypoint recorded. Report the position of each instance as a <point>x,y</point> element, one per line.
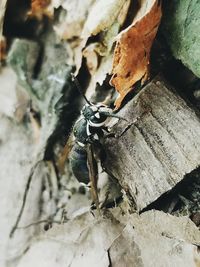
<point>96,115</point>
<point>89,132</point>
<point>88,129</point>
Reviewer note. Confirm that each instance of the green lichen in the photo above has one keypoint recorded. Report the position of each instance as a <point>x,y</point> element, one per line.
<point>181,27</point>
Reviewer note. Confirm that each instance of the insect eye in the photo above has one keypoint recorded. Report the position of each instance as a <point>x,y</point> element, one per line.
<point>92,118</point>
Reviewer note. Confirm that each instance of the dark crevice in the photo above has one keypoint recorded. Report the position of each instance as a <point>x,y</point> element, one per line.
<point>132,11</point>
<point>57,173</point>
<point>18,24</point>
<point>173,71</point>
<point>68,113</point>
<point>38,64</point>
<point>109,258</point>
<point>183,81</point>
<point>137,88</point>
<point>113,204</point>
<point>183,199</point>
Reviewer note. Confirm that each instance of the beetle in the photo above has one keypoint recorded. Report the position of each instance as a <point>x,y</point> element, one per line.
<point>89,131</point>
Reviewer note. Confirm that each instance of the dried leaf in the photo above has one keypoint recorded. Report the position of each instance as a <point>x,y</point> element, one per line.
<point>71,25</point>
<point>2,49</point>
<point>151,239</point>
<point>132,51</point>
<point>40,8</point>
<point>107,23</point>
<point>101,21</point>
<point>100,74</point>
<point>98,55</point>
<point>104,51</point>
<point>91,55</point>
<point>73,20</point>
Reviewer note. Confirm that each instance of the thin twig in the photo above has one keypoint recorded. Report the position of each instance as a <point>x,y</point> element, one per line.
<point>39,222</point>
<point>24,199</point>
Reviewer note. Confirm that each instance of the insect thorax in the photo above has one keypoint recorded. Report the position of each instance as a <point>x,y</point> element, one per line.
<point>88,128</point>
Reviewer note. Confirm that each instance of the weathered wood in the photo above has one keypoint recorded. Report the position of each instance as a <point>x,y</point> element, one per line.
<point>159,145</point>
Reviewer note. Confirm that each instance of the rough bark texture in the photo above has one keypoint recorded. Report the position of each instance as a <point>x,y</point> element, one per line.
<point>159,144</point>
<point>154,155</point>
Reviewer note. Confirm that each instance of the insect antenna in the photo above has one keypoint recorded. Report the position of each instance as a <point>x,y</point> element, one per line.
<point>75,80</point>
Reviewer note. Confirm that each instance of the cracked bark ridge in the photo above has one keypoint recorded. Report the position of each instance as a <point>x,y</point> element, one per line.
<point>157,147</point>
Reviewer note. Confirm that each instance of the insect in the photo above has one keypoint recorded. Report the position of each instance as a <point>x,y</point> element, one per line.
<point>89,131</point>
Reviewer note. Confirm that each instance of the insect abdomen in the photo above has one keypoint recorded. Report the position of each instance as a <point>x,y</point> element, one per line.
<point>78,161</point>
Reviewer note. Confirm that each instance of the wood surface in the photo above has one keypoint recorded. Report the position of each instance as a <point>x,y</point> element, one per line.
<point>158,145</point>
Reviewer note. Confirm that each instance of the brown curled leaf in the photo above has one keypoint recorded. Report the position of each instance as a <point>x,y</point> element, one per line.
<point>91,55</point>
<point>2,50</point>
<point>40,8</point>
<point>132,51</point>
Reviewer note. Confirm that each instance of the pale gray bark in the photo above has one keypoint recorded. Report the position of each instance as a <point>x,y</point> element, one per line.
<point>157,147</point>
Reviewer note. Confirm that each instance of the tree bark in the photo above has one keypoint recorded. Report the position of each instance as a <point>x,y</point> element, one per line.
<point>157,147</point>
